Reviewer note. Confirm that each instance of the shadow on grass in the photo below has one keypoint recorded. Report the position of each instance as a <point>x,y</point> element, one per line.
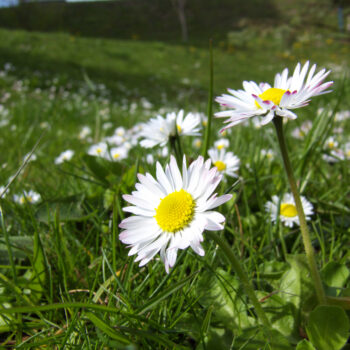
<point>121,82</point>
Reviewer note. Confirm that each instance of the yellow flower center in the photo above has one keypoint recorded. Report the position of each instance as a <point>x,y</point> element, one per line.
<point>272,94</point>
<point>331,144</point>
<point>198,143</point>
<point>220,165</point>
<point>175,211</point>
<point>116,155</point>
<point>178,128</point>
<point>220,146</point>
<point>348,153</point>
<point>99,150</point>
<point>288,210</point>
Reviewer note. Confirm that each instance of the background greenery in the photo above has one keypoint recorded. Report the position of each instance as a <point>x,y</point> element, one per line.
<point>61,263</point>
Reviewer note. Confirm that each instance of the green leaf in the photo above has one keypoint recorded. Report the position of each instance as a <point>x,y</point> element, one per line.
<point>98,167</point>
<point>335,274</point>
<point>222,291</point>
<point>280,314</point>
<point>37,275</point>
<point>105,328</point>
<point>296,283</point>
<point>272,271</point>
<point>255,338</point>
<point>217,338</point>
<point>69,209</point>
<point>22,247</point>
<point>103,169</point>
<point>328,327</point>
<point>304,345</point>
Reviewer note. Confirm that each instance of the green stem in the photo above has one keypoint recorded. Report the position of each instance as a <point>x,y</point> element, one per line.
<point>283,242</point>
<point>321,296</point>
<point>174,149</point>
<point>179,147</point>
<point>210,102</point>
<point>242,276</point>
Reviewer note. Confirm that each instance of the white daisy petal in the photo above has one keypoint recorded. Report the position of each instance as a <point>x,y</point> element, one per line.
<point>285,209</point>
<point>262,100</point>
<point>171,213</point>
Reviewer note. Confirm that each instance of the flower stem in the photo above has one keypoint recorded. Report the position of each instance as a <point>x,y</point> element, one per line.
<point>174,148</point>
<point>321,296</point>
<point>242,276</point>
<point>210,101</point>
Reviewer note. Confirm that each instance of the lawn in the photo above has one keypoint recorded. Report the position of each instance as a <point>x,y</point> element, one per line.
<point>66,277</point>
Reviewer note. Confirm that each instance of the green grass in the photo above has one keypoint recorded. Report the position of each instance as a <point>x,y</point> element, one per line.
<point>63,271</point>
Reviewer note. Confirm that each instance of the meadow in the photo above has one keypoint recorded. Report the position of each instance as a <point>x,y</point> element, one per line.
<point>66,279</point>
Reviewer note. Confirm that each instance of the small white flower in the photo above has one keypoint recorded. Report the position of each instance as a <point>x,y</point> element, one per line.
<point>100,149</point>
<point>149,158</point>
<point>27,197</point>
<point>286,209</point>
<point>265,101</point>
<point>119,153</point>
<point>172,211</point>
<point>331,143</point>
<point>30,158</point>
<point>197,143</point>
<point>158,130</point>
<point>64,156</point>
<point>107,125</point>
<point>115,139</point>
<point>268,153</point>
<point>2,189</point>
<point>145,103</point>
<point>120,131</point>
<point>300,133</point>
<point>188,125</point>
<point>347,150</point>
<point>221,143</point>
<point>342,115</point>
<point>225,162</point>
<point>84,133</point>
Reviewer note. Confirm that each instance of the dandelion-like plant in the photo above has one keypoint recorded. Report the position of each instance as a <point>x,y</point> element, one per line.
<point>272,103</point>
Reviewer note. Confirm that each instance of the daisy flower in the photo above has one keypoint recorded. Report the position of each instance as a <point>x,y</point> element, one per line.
<point>30,157</point>
<point>265,100</point>
<point>119,153</point>
<point>300,133</point>
<point>64,156</point>
<point>27,197</point>
<point>172,211</point>
<point>221,143</point>
<point>100,149</point>
<point>225,162</point>
<point>268,153</point>
<point>197,143</point>
<point>158,130</point>
<point>347,150</point>
<point>286,209</point>
<point>84,133</point>
<point>331,143</point>
<point>188,125</point>
<point>341,116</point>
<point>2,191</point>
